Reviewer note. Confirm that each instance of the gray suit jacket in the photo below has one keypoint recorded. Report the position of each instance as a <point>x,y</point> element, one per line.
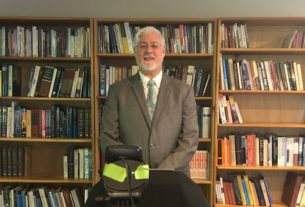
<point>170,139</point>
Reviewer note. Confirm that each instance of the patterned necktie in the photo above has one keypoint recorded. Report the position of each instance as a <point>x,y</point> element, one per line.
<point>151,97</point>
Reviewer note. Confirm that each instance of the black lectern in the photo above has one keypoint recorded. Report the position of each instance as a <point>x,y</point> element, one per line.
<point>171,189</point>
<point>164,189</point>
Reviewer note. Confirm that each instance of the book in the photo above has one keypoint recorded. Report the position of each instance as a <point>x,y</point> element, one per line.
<point>254,193</point>
<point>291,188</point>
<point>198,164</point>
<point>288,41</point>
<point>16,81</point>
<point>205,120</point>
<point>74,83</point>
<point>57,83</point>
<point>53,82</point>
<point>226,191</point>
<point>21,161</point>
<point>206,83</point>
<point>67,82</point>
<point>35,123</point>
<point>265,193</point>
<point>34,81</point>
<point>75,195</point>
<point>249,189</point>
<point>232,149</point>
<point>259,191</point>
<point>46,81</point>
<point>219,195</point>
<point>241,190</point>
<point>4,156</point>
<point>70,160</point>
<point>67,198</point>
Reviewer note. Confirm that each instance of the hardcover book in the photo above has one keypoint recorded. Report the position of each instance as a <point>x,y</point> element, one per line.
<point>291,188</point>
<point>46,81</point>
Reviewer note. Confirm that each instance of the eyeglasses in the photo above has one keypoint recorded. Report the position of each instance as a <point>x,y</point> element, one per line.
<point>154,45</point>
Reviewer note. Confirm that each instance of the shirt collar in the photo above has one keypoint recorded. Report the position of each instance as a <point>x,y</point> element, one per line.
<point>157,79</point>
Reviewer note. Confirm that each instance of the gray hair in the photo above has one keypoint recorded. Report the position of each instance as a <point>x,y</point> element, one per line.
<point>148,29</point>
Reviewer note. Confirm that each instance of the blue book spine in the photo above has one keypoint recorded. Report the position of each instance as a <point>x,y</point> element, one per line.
<point>246,192</point>
<point>225,76</point>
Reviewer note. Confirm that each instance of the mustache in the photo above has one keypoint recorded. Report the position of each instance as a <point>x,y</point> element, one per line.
<point>148,56</point>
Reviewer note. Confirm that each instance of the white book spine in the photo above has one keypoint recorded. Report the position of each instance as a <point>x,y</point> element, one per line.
<point>81,163</point>
<point>74,85</point>
<point>10,81</point>
<point>299,70</point>
<point>52,82</point>
<point>3,41</point>
<point>34,81</point>
<point>65,166</point>
<point>129,37</point>
<point>268,73</point>
<point>35,41</point>
<point>76,166</point>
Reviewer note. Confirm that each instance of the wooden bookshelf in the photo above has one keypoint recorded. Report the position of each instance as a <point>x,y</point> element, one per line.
<point>43,156</point>
<point>264,112</point>
<point>205,60</point>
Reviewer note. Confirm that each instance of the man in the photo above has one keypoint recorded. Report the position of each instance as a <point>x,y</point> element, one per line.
<point>167,128</point>
<point>169,135</point>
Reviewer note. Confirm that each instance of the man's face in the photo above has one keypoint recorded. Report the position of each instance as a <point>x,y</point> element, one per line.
<point>150,52</point>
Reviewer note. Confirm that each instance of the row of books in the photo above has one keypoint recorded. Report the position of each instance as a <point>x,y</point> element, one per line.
<point>109,74</point>
<point>261,75</point>
<point>239,189</point>
<point>234,36</point>
<point>229,112</point>
<point>180,38</point>
<point>45,81</point>
<point>36,41</point>
<point>53,122</point>
<point>48,81</point>
<point>261,150</point>
<point>295,39</point>
<point>198,78</point>
<point>199,165</point>
<point>77,163</point>
<point>294,190</point>
<point>12,161</point>
<point>42,196</point>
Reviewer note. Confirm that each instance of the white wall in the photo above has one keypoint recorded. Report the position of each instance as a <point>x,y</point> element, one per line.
<point>152,8</point>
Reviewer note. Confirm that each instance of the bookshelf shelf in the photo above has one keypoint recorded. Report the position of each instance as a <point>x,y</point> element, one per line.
<point>44,59</point>
<point>264,125</point>
<point>202,181</point>
<point>246,92</point>
<point>204,139</point>
<point>46,180</point>
<point>259,168</point>
<point>47,140</point>
<point>206,98</point>
<point>264,51</point>
<point>42,99</point>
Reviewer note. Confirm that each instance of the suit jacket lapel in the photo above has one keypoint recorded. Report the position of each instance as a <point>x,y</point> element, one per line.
<point>162,96</point>
<point>140,96</point>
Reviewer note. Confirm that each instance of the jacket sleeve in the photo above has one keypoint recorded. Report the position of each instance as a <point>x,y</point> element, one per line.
<point>109,133</point>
